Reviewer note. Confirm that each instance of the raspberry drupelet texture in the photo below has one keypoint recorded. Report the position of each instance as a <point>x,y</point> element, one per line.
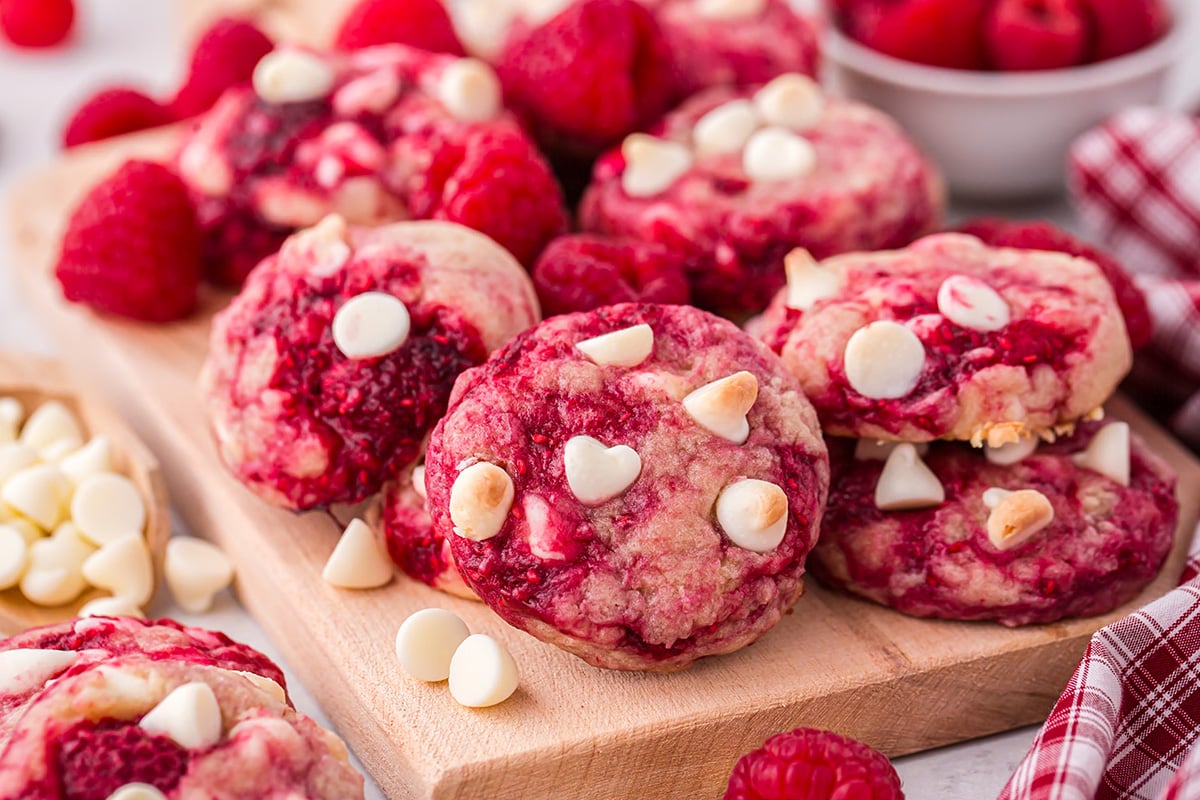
<point>416,23</point>
<point>581,272</point>
<point>302,423</point>
<point>95,759</point>
<point>810,764</point>
<point>224,57</point>
<point>638,574</point>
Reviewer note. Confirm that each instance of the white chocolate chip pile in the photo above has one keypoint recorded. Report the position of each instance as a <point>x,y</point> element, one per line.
<point>68,519</point>
<point>434,645</point>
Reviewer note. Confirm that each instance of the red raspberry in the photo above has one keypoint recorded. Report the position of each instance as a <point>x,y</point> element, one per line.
<point>1036,34</point>
<point>1123,26</point>
<point>1041,235</point>
<point>133,247</point>
<point>225,56</point>
<point>112,112</point>
<point>36,23</point>
<point>597,71</point>
<point>96,759</point>
<point>942,33</point>
<point>417,23</point>
<point>582,272</point>
<point>808,764</point>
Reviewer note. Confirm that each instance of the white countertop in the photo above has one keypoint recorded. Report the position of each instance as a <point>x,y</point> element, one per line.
<point>135,41</point>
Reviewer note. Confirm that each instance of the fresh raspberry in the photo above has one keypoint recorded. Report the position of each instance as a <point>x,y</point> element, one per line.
<point>224,57</point>
<point>417,23</point>
<point>582,272</point>
<point>1123,26</point>
<point>112,112</point>
<point>942,33</point>
<point>1042,235</point>
<point>1036,34</point>
<point>133,247</point>
<point>36,23</point>
<point>808,764</point>
<point>503,188</point>
<point>597,71</point>
<point>96,759</point>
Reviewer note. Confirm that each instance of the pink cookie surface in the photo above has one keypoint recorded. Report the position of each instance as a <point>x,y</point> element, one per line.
<point>1058,358</point>
<point>1106,542</point>
<point>648,579</point>
<point>302,424</point>
<point>870,188</point>
<point>381,146</point>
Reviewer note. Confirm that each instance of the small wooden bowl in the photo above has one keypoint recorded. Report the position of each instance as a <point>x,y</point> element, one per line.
<point>34,381</point>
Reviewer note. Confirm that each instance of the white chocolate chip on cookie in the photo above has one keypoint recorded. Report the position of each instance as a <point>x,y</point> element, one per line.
<point>1017,517</point>
<point>726,128</point>
<point>418,481</point>
<point>371,325</point>
<point>652,165</point>
<point>729,9</point>
<point>110,607</point>
<point>482,672</point>
<point>995,496</point>
<point>292,76</point>
<point>807,281</point>
<point>1011,453</point>
<point>190,716</point>
<point>26,670</point>
<point>470,91</point>
<point>597,473</point>
<point>884,360</point>
<point>971,303</point>
<point>753,514</point>
<point>776,154</point>
<point>907,482</point>
<point>1108,453</point>
<point>426,642</point>
<point>627,347</point>
<point>791,101</point>
<point>137,791</point>
<point>480,499</point>
<point>358,560</point>
<point>873,450</point>
<point>721,406</point>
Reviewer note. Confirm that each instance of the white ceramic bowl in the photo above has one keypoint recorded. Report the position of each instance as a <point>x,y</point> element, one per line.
<point>1001,135</point>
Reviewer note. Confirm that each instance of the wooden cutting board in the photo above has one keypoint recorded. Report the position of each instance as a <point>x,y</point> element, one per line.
<point>571,731</point>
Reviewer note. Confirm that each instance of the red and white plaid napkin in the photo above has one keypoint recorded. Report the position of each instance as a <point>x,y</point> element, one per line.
<point>1127,727</point>
<point>1135,184</point>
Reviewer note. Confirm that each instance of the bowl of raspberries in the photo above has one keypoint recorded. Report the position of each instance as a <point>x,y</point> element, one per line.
<point>996,90</point>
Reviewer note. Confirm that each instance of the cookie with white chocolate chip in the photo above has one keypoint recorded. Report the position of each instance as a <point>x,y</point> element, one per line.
<point>949,339</point>
<point>1070,529</point>
<point>329,369</point>
<point>736,178</point>
<point>378,135</point>
<point>638,485</point>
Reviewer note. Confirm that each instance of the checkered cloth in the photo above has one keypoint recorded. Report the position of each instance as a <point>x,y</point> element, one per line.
<point>1135,183</point>
<point>1127,727</point>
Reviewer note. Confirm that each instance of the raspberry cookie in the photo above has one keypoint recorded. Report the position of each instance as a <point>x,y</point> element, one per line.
<point>1075,528</point>
<point>735,179</point>
<point>328,370</point>
<point>378,135</point>
<point>949,339</point>
<point>188,725</point>
<point>638,485</point>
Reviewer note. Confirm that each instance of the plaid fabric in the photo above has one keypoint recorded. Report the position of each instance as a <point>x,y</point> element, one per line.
<point>1127,727</point>
<point>1135,184</point>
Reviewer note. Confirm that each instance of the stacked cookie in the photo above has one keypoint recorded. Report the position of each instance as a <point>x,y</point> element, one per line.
<point>125,709</point>
<point>979,482</point>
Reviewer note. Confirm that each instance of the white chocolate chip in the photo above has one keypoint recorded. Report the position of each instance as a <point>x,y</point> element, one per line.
<point>53,453</point>
<point>359,560</point>
<point>371,325</point>
<point>93,458</point>
<point>791,101</point>
<point>40,493</point>
<point>190,716</point>
<point>14,556</point>
<point>884,360</point>
<point>721,406</point>
<point>480,500</point>
<point>137,791</point>
<point>971,303</point>
<point>776,154</point>
<point>110,607</point>
<point>482,672</point>
<point>1108,453</point>
<point>11,414</point>
<point>124,567</point>
<point>873,450</point>
<point>994,496</point>
<point>726,128</point>
<point>753,514</point>
<point>627,347</point>
<point>469,89</point>
<point>482,25</point>
<point>426,642</point>
<point>807,281</point>
<point>292,76</point>
<point>326,248</point>
<point>52,586</point>
<point>196,570</point>
<point>907,482</point>
<point>1017,517</point>
<point>596,473</point>
<point>652,165</point>
<point>50,423</point>
<point>263,683</point>
<point>29,532</point>
<point>418,481</point>
<point>27,670</point>
<point>55,572</point>
<point>107,507</point>
<point>15,457</point>
<point>1011,453</point>
<point>729,9</point>
<point>374,93</point>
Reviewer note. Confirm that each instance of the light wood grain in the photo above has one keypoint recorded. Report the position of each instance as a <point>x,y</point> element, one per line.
<point>34,381</point>
<point>571,731</point>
